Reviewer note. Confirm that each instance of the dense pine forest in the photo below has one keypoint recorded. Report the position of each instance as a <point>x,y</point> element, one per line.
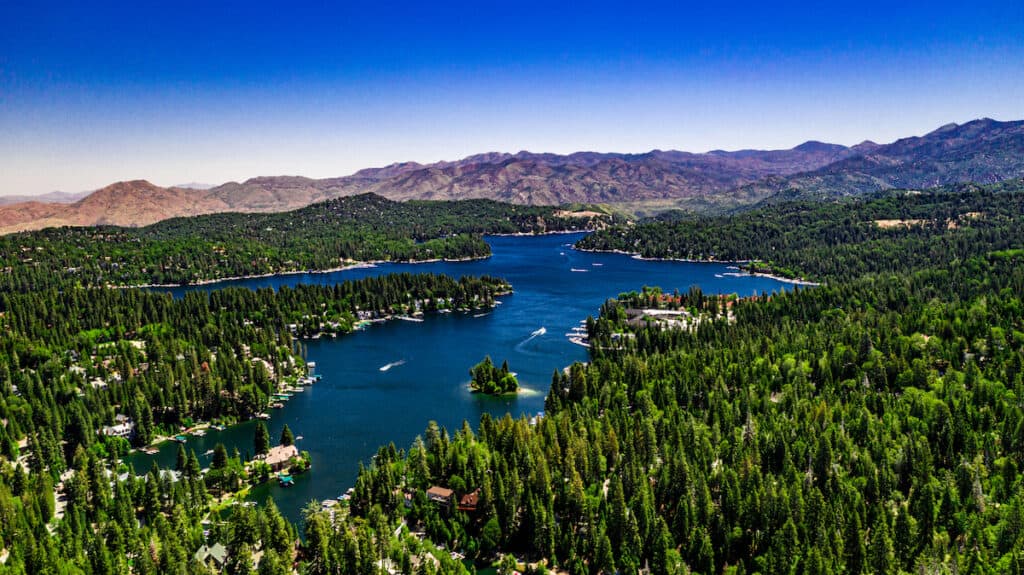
<point>323,236</point>
<point>893,232</point>
<point>873,424</point>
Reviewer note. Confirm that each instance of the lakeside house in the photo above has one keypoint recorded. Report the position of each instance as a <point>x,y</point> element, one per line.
<point>278,457</point>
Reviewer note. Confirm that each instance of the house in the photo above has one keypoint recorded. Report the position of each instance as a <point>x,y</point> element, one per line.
<point>470,501</point>
<point>123,427</point>
<point>278,457</point>
<point>442,495</point>
<point>212,556</point>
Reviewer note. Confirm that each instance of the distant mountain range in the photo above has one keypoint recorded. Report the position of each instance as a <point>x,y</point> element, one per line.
<point>980,151</point>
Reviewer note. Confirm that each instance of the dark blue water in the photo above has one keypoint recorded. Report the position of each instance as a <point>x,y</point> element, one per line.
<point>356,408</point>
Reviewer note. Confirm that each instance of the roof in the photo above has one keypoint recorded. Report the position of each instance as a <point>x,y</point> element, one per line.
<point>470,500</point>
<point>438,491</point>
<point>217,552</point>
<point>281,454</point>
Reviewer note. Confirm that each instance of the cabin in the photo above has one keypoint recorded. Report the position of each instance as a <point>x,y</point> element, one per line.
<point>441,495</point>
<point>213,556</point>
<point>470,501</point>
<point>278,457</point>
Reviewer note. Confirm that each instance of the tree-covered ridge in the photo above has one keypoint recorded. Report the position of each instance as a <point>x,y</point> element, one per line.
<point>894,232</point>
<point>318,237</point>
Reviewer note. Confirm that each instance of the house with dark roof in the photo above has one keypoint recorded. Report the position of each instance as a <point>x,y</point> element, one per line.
<point>470,501</point>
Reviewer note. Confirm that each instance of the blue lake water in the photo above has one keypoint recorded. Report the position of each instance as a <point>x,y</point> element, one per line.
<point>356,407</point>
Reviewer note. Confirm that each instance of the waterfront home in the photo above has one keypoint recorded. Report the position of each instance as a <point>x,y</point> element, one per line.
<point>278,457</point>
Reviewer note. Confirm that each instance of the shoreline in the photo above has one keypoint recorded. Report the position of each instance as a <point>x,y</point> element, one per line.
<point>529,234</point>
<point>637,256</point>
<point>353,266</point>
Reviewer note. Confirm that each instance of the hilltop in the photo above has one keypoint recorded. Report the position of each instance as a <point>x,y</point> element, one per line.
<point>980,151</point>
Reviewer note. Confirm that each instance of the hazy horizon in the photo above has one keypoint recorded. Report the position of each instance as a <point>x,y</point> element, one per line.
<point>98,93</point>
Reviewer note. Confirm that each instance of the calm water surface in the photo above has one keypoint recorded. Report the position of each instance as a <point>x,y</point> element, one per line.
<point>356,407</point>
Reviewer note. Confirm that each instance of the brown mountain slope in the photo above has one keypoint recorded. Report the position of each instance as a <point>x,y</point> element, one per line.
<point>981,151</point>
<point>978,151</point>
<point>529,178</point>
<point>134,203</point>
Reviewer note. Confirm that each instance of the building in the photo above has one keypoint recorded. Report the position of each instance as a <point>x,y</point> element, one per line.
<point>441,495</point>
<point>212,556</point>
<point>278,457</point>
<point>123,427</point>
<point>470,501</point>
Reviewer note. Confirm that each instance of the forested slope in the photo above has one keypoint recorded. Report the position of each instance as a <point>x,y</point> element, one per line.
<point>319,237</point>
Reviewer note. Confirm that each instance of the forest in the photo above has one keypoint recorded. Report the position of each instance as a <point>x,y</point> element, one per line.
<point>872,424</point>
<point>322,236</point>
<point>890,232</point>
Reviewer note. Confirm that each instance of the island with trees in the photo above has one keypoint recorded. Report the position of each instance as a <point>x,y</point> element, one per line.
<point>492,380</point>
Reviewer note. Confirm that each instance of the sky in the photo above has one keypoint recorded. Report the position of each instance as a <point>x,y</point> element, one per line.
<point>177,92</point>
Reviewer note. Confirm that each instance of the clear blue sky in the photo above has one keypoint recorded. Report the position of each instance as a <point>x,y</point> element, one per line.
<point>175,92</point>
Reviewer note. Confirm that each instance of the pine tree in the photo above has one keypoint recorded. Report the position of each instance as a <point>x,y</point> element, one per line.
<point>286,436</point>
<point>261,441</point>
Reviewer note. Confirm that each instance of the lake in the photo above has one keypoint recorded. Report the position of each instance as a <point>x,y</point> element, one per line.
<point>358,407</point>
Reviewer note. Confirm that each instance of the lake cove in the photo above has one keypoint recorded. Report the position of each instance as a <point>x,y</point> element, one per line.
<point>385,383</point>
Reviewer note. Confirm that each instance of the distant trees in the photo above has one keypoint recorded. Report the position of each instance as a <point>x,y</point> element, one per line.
<point>318,237</point>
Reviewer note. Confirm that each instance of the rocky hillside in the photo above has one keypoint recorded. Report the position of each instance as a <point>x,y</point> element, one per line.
<point>981,151</point>
<point>134,203</point>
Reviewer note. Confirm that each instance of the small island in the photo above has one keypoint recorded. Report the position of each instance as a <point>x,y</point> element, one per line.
<point>492,380</point>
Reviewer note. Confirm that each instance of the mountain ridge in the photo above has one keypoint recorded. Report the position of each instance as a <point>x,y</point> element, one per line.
<point>981,151</point>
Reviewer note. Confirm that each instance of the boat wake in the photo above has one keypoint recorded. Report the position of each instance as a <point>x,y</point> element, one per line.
<point>533,334</point>
<point>392,364</point>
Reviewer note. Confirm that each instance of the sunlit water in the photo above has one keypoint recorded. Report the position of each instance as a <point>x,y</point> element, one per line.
<point>386,383</point>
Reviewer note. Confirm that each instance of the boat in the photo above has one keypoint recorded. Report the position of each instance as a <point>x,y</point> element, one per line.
<point>409,318</point>
<point>208,452</point>
<point>597,264</point>
<point>578,270</point>
<point>179,438</point>
<point>285,480</point>
<point>199,432</point>
<point>150,450</point>
<point>218,427</point>
<point>262,416</point>
<point>298,438</point>
<point>276,405</point>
